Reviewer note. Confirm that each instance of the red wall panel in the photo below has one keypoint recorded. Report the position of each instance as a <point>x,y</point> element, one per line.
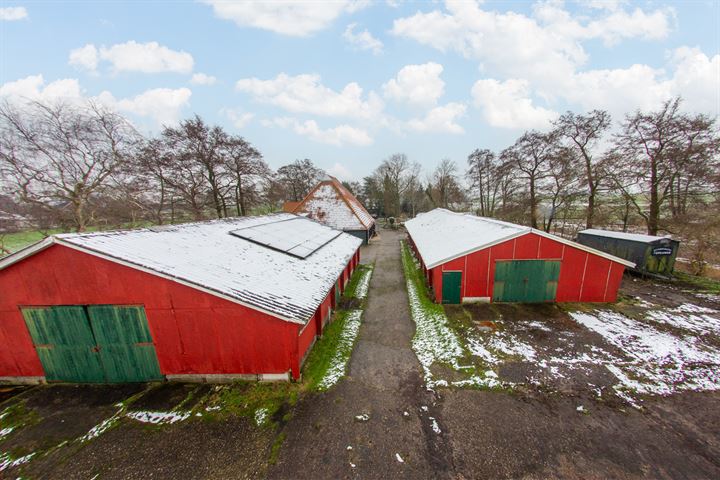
<point>596,282</point>
<point>194,332</point>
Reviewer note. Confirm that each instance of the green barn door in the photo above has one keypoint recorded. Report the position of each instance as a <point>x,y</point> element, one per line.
<point>65,344</point>
<point>526,281</point>
<point>125,346</point>
<point>451,285</point>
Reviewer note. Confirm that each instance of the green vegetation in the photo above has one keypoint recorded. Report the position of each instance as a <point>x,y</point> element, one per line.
<point>361,271</point>
<point>702,283</point>
<point>439,342</point>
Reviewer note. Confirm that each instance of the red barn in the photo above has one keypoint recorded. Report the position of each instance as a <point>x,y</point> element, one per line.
<point>242,298</point>
<point>467,258</point>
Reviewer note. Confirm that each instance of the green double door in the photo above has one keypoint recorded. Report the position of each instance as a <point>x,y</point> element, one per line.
<point>93,344</point>
<point>528,281</point>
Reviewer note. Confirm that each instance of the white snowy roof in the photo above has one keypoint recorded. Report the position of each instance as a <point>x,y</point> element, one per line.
<point>334,205</point>
<point>441,235</point>
<point>207,256</point>
<point>635,237</point>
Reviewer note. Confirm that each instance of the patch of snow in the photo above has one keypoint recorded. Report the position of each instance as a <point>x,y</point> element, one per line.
<point>352,465</point>
<point>6,461</point>
<point>5,432</point>
<point>213,409</point>
<point>362,418</point>
<point>363,284</point>
<point>581,409</point>
<point>435,426</point>
<point>687,316</point>
<point>406,414</point>
<point>660,363</point>
<point>158,418</point>
<point>399,458</point>
<point>487,346</point>
<point>537,325</point>
<point>341,356</point>
<point>434,340</point>
<point>349,447</point>
<point>261,416</point>
<point>101,428</point>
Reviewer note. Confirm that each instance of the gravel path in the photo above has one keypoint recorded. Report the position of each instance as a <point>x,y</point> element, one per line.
<point>326,440</point>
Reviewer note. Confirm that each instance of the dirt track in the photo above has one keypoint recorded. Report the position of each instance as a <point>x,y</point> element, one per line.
<point>384,382</point>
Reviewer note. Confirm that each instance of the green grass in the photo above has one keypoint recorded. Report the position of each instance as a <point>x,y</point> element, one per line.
<point>702,283</point>
<point>322,354</point>
<point>360,271</point>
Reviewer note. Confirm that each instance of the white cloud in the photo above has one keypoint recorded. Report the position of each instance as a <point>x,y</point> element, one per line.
<point>338,136</point>
<point>288,17</point>
<point>238,118</point>
<point>508,105</point>
<point>341,172</point>
<point>697,79</point>
<point>362,40</point>
<point>33,88</point>
<point>164,105</point>
<point>202,79</point>
<point>441,119</point>
<point>306,94</point>
<point>544,48</point>
<point>11,14</point>
<point>416,84</point>
<point>150,57</point>
<point>85,57</point>
<point>616,25</point>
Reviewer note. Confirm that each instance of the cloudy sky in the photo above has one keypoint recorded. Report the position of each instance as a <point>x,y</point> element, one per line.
<point>350,82</point>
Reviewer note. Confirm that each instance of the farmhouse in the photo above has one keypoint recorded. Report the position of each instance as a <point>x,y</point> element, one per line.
<point>467,258</point>
<point>240,298</point>
<point>335,206</point>
<point>651,254</point>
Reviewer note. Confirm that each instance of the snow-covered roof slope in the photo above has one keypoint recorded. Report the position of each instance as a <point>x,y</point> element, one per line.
<point>635,237</point>
<point>334,205</point>
<point>208,256</point>
<point>441,235</point>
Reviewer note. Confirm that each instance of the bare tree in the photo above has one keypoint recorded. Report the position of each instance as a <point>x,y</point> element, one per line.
<point>530,157</point>
<point>247,170</point>
<point>396,174</point>
<point>58,156</point>
<point>583,133</point>
<point>299,178</point>
<point>658,151</point>
<point>195,142</point>
<point>485,176</point>
<point>444,188</point>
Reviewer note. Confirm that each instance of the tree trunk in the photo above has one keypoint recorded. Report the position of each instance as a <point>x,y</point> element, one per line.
<point>654,211</point>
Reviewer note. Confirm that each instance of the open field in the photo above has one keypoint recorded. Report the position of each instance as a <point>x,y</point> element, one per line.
<point>417,390</point>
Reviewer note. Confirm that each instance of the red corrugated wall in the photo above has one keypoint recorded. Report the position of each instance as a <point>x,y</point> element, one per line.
<point>584,277</point>
<point>194,332</point>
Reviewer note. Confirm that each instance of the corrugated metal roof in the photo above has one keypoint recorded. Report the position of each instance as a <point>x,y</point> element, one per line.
<point>334,205</point>
<point>635,237</point>
<point>441,235</point>
<point>207,255</point>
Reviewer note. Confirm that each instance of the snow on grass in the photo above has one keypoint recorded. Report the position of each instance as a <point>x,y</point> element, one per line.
<point>158,418</point>
<point>261,416</point>
<point>434,340</point>
<point>693,318</point>
<point>101,428</point>
<point>339,360</point>
<point>434,425</point>
<point>6,461</point>
<point>361,290</point>
<point>399,458</point>
<point>5,432</point>
<point>660,363</point>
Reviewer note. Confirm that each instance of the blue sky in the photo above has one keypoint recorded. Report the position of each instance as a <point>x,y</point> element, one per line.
<point>348,83</point>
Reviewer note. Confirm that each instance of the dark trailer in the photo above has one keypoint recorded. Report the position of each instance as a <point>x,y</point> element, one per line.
<point>651,255</point>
